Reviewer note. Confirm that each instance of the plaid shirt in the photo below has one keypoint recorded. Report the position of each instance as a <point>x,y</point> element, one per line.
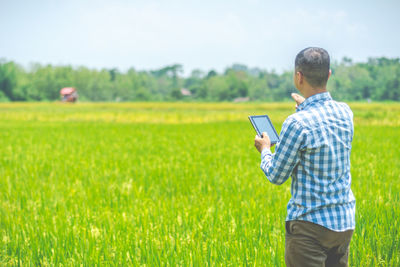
<point>314,149</point>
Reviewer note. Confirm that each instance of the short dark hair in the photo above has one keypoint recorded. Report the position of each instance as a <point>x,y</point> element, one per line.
<point>313,63</point>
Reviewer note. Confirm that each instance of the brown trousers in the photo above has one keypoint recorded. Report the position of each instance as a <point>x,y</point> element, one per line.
<point>309,244</point>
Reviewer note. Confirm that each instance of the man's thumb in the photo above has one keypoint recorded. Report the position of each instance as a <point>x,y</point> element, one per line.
<point>298,98</point>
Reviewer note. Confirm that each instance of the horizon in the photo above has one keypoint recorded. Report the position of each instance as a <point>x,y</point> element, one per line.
<point>31,65</point>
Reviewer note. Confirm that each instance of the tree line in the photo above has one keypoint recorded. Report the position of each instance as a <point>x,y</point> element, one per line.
<point>377,79</point>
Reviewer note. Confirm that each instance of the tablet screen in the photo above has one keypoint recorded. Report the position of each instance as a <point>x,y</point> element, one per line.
<point>263,124</point>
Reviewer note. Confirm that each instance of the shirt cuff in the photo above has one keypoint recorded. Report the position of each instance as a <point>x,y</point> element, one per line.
<point>300,107</point>
<point>265,151</point>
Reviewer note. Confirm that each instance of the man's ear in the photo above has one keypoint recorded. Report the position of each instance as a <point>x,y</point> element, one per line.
<point>330,73</point>
<point>299,77</point>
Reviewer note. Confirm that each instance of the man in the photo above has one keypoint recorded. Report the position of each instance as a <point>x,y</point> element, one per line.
<point>314,149</point>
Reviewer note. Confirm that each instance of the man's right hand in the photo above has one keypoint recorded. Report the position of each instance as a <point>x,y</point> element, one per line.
<point>298,98</point>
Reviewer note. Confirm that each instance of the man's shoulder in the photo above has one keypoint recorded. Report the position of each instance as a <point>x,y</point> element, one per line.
<point>315,113</point>
<point>342,108</point>
<point>297,120</point>
<point>322,109</point>
<point>346,107</point>
<point>300,118</point>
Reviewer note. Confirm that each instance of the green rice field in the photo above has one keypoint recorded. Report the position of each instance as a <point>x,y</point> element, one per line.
<point>172,184</point>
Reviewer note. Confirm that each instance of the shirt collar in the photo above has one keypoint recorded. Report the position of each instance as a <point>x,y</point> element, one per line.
<point>314,98</point>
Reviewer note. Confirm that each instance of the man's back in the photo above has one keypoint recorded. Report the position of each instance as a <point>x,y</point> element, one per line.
<point>315,150</point>
<point>321,181</point>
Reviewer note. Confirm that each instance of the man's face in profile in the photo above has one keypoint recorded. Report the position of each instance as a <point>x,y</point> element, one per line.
<point>296,79</point>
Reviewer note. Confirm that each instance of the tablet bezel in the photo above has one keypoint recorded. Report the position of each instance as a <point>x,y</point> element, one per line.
<point>258,131</point>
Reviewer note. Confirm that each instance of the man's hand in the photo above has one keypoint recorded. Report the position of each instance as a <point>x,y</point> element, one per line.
<point>261,143</point>
<point>298,98</point>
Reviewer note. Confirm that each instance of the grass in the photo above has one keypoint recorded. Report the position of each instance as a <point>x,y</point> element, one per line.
<point>172,184</point>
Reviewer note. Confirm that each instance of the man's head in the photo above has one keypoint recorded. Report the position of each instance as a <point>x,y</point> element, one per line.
<point>312,68</point>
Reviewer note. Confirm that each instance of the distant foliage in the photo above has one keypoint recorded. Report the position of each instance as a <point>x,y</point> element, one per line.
<point>377,79</point>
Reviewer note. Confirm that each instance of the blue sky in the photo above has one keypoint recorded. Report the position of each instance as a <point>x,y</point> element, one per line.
<point>198,34</point>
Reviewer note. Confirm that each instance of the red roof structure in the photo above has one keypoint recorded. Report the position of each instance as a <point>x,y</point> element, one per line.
<point>69,94</point>
<point>67,91</point>
<point>185,92</point>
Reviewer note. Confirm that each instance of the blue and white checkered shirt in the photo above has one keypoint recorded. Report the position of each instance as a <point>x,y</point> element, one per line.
<point>314,149</point>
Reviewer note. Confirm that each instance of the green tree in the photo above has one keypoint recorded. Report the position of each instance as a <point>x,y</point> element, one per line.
<point>8,80</point>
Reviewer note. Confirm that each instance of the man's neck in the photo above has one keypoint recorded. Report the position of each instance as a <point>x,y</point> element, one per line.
<point>314,91</point>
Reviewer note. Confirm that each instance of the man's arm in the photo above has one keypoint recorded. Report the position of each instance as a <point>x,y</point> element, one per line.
<point>279,166</point>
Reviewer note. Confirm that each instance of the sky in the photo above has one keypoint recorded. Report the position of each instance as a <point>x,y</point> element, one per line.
<point>205,35</point>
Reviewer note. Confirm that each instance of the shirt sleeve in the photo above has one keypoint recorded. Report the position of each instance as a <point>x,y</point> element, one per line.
<point>279,166</point>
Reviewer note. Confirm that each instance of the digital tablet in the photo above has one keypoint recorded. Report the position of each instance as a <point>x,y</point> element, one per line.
<point>262,123</point>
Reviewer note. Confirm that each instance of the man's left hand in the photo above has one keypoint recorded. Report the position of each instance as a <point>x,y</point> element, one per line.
<point>261,143</point>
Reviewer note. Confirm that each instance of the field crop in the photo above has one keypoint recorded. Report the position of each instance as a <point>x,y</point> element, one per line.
<point>172,184</point>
